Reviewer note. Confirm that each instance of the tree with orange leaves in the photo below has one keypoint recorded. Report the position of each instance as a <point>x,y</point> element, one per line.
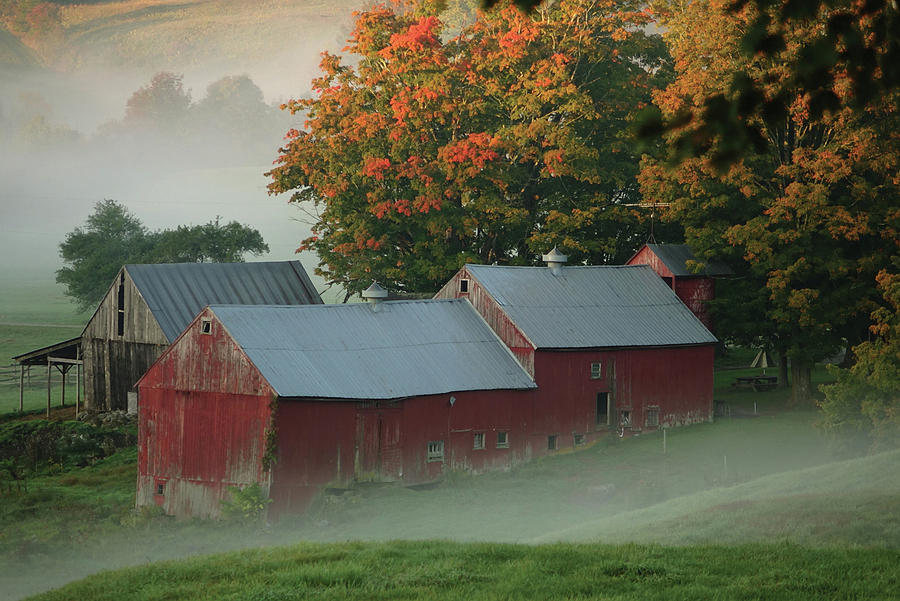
<point>422,152</point>
<point>808,216</point>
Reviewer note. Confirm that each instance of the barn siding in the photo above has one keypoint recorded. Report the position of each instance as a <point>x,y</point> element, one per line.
<point>695,293</point>
<point>113,363</point>
<point>202,428</point>
<point>499,322</point>
<point>645,256</point>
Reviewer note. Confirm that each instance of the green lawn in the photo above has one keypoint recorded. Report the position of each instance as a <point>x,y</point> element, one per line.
<point>439,570</point>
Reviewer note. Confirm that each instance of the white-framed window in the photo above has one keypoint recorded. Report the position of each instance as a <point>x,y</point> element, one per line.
<point>552,442</point>
<point>503,440</point>
<point>578,439</point>
<point>435,450</point>
<point>206,326</point>
<point>652,417</point>
<point>478,441</point>
<point>596,371</point>
<point>463,285</point>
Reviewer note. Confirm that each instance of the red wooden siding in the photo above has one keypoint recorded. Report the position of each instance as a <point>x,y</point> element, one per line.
<point>695,293</point>
<point>204,411</point>
<point>505,329</point>
<point>645,256</point>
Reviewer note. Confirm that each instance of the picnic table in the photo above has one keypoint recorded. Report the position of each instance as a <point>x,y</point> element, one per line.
<point>756,383</point>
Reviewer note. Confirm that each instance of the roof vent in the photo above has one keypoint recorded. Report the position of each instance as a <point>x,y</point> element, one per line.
<point>555,261</point>
<point>374,294</point>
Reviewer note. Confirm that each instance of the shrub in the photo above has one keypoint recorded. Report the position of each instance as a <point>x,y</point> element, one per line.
<point>247,504</point>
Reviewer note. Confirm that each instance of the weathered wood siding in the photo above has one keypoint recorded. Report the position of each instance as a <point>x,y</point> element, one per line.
<point>205,412</point>
<point>114,363</point>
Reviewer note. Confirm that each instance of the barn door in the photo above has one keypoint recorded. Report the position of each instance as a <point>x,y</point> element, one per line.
<point>378,445</point>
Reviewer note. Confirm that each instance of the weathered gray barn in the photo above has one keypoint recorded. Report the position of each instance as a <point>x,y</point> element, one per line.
<point>148,306</point>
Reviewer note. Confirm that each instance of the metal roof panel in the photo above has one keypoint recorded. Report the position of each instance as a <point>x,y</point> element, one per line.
<point>176,292</point>
<point>592,307</point>
<point>676,256</point>
<point>400,349</point>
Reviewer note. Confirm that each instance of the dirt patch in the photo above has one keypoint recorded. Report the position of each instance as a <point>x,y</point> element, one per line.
<point>56,414</point>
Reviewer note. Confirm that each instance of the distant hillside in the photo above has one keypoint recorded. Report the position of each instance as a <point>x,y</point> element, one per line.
<point>180,34</point>
<point>14,53</point>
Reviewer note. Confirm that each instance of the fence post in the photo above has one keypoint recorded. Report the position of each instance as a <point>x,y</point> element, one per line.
<point>21,387</point>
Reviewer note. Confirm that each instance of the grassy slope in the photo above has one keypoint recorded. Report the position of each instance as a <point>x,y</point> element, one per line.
<point>443,570</point>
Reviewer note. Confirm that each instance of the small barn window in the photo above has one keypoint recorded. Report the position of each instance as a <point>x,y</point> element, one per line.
<point>478,442</point>
<point>502,440</point>
<point>578,439</point>
<point>625,418</point>
<point>463,285</point>
<point>596,371</point>
<point>602,409</point>
<point>160,488</point>
<point>435,450</point>
<point>552,442</point>
<point>206,326</point>
<point>652,417</point>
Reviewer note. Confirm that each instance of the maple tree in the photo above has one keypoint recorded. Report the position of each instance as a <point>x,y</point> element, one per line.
<point>421,153</point>
<point>808,217</point>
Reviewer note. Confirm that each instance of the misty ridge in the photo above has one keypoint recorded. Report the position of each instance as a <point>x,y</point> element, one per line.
<point>163,127</point>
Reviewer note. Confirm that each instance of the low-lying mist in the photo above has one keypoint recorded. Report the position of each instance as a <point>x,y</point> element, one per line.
<point>773,478</point>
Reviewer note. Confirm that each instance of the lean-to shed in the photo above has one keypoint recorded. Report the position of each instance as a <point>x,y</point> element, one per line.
<point>303,397</point>
<point>609,347</point>
<point>148,306</point>
<point>693,280</point>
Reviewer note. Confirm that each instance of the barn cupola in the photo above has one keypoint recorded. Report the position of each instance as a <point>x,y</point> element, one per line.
<point>374,294</point>
<point>555,261</point>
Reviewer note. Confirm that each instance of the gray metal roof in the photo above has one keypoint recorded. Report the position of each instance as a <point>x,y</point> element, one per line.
<point>592,307</point>
<point>676,256</point>
<point>176,292</point>
<point>402,349</point>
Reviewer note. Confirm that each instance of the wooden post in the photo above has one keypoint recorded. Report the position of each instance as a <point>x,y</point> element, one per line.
<point>63,370</point>
<point>48,386</point>
<point>21,387</point>
<point>77,380</point>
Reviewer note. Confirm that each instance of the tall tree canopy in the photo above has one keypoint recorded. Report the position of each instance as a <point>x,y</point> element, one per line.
<point>809,217</point>
<point>494,145</point>
<point>112,237</point>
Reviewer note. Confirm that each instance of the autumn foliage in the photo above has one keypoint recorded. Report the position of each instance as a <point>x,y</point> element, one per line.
<point>808,218</point>
<point>422,151</point>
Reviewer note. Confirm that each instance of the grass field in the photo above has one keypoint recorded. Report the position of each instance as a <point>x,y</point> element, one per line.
<point>445,570</point>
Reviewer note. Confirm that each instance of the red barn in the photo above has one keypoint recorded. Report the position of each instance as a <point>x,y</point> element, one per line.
<point>676,265</point>
<point>302,397</point>
<point>608,347</point>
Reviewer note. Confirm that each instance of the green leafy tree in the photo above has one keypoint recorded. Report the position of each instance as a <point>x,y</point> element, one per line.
<point>160,106</point>
<point>94,252</point>
<point>112,237</point>
<point>808,218</point>
<point>494,145</point>
<point>864,403</point>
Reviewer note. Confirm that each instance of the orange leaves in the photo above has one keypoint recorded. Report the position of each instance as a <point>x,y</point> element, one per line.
<point>476,150</point>
<point>419,36</point>
<point>375,167</point>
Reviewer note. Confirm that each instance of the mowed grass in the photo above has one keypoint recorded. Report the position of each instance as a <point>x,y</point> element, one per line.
<point>442,570</point>
<point>34,314</point>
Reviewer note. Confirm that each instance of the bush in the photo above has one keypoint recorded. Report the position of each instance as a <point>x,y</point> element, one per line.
<point>247,504</point>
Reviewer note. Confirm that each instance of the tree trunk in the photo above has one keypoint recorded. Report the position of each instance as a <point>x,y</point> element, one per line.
<point>801,388</point>
<point>782,368</point>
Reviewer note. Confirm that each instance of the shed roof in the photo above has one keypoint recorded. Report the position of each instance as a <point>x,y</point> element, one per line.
<point>176,292</point>
<point>592,307</point>
<point>402,349</point>
<point>676,256</point>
